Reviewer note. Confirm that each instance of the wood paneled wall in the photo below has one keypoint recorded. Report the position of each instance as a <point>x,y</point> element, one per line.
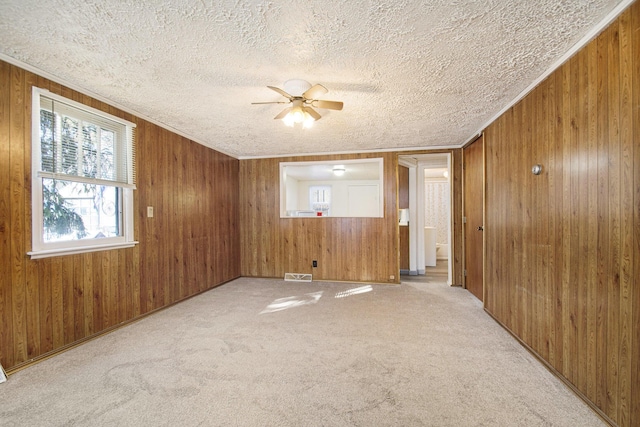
<point>563,248</point>
<point>348,249</point>
<point>190,245</point>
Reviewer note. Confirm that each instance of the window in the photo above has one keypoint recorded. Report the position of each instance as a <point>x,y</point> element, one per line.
<point>83,178</point>
<point>320,199</point>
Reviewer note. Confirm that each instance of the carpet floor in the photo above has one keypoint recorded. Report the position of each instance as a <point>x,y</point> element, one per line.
<point>265,352</point>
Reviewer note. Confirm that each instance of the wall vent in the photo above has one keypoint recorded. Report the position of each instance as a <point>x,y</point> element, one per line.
<point>297,277</point>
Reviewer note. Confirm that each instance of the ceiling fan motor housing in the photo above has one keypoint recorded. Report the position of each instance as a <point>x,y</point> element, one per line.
<point>296,87</point>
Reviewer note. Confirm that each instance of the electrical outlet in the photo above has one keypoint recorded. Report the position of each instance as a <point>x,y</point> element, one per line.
<point>392,277</point>
<point>315,263</point>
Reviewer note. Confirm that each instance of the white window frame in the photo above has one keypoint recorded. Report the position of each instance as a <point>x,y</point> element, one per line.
<point>323,188</point>
<point>42,249</point>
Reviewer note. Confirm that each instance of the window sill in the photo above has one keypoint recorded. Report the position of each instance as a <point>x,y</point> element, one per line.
<point>79,250</point>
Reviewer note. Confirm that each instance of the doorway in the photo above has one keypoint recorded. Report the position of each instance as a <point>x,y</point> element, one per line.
<point>427,222</point>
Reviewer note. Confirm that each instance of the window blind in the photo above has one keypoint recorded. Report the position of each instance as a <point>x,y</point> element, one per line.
<point>84,146</point>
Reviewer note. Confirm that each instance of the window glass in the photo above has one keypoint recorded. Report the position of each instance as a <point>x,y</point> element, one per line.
<point>82,180</point>
<point>75,211</point>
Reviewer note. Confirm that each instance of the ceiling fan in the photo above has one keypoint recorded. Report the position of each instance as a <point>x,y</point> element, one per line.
<point>303,97</point>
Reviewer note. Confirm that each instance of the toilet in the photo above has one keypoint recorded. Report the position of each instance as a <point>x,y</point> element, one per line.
<point>442,251</point>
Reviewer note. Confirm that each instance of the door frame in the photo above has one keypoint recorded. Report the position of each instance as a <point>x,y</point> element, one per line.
<point>417,163</point>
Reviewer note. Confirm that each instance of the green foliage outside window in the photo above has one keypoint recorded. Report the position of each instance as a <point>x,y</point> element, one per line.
<point>58,218</point>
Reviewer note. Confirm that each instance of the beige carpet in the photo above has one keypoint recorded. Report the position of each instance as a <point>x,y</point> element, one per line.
<point>261,352</point>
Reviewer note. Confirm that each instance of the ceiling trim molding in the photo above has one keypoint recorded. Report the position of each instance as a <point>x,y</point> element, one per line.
<point>112,103</point>
<point>590,35</point>
<point>474,137</point>
<point>373,151</point>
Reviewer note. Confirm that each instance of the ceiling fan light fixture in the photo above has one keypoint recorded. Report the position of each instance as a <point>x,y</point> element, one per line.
<point>297,116</point>
<point>297,112</point>
<point>288,120</point>
<point>308,121</point>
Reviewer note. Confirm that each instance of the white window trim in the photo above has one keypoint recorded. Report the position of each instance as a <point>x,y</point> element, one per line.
<point>321,187</point>
<point>44,250</point>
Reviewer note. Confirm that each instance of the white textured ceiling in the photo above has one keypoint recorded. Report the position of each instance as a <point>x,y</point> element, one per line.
<point>411,73</point>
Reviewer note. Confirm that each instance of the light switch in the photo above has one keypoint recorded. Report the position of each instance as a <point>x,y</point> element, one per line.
<point>149,211</point>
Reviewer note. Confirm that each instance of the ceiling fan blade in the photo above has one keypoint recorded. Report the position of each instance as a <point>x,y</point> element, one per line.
<point>313,113</point>
<point>329,105</point>
<point>280,91</point>
<point>282,113</point>
<point>271,102</point>
<point>314,91</point>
